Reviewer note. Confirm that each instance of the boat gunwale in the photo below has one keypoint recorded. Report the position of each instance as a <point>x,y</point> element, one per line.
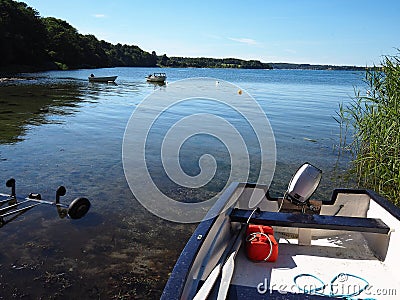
<point>385,203</point>
<point>176,283</point>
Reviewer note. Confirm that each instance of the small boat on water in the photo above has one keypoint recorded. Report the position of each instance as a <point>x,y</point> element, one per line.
<point>156,77</point>
<point>105,79</point>
<point>254,246</point>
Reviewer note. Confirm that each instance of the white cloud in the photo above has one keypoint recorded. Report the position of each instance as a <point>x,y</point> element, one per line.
<point>99,16</point>
<point>244,41</point>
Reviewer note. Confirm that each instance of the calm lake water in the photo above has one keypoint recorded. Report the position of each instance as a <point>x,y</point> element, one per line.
<point>58,129</point>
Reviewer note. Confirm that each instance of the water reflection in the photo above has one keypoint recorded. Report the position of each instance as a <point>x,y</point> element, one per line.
<point>156,85</point>
<point>111,83</point>
<point>25,105</point>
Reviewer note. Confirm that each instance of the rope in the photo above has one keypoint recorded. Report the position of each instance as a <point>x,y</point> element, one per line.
<point>331,291</point>
<point>311,291</point>
<point>257,209</point>
<point>346,275</point>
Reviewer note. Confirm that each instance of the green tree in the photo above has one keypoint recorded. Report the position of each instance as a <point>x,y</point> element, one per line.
<point>64,42</point>
<point>22,35</point>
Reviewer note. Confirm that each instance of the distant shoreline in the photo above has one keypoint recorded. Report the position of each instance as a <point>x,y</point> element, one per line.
<point>17,69</point>
<point>235,63</point>
<point>290,66</point>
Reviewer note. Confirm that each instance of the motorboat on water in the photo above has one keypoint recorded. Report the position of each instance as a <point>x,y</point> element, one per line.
<point>104,79</point>
<point>156,77</point>
<point>254,246</point>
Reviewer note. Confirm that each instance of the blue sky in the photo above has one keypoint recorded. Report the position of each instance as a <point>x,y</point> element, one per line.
<point>339,32</point>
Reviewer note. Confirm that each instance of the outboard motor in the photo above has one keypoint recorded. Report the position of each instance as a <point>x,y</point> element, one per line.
<point>303,184</point>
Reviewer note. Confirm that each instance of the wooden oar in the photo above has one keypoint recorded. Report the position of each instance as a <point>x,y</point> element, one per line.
<point>227,266</point>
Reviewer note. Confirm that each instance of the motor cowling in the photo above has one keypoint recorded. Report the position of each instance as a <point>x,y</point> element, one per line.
<point>303,184</point>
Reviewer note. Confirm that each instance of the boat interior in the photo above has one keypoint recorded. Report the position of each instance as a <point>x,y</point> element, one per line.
<point>346,246</point>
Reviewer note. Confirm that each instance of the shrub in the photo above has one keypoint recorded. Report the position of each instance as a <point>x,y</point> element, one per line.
<point>373,117</point>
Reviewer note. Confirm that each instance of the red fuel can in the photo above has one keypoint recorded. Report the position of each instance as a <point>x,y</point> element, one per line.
<point>259,239</point>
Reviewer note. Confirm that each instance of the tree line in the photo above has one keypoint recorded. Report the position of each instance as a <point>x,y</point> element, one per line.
<point>34,42</point>
<point>316,67</point>
<point>207,62</point>
<point>27,39</point>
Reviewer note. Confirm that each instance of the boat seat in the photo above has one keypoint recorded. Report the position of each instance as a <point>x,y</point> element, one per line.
<point>371,225</point>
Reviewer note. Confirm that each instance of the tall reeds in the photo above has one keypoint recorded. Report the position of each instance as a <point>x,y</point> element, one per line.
<point>374,119</point>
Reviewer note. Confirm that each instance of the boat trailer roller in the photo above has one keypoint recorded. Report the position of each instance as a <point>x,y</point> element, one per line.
<point>12,206</point>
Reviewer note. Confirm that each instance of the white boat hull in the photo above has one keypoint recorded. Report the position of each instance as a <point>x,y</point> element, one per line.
<point>323,253</point>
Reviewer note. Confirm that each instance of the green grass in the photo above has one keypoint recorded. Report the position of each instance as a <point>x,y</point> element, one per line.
<point>373,118</point>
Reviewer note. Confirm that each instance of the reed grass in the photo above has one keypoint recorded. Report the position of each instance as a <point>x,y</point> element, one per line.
<point>373,119</point>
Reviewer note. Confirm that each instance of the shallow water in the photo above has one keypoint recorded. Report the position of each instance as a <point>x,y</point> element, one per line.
<point>58,129</point>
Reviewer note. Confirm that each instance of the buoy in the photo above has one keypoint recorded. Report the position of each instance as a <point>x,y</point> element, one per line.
<point>239,92</point>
